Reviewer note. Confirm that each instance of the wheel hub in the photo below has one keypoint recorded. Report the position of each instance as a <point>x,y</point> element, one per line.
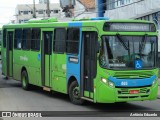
<point>76,92</point>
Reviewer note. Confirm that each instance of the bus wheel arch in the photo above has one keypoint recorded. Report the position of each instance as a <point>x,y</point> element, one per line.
<point>23,69</point>
<point>74,91</point>
<point>71,79</point>
<point>24,79</point>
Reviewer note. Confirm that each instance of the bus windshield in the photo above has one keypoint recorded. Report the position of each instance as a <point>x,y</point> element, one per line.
<point>128,52</point>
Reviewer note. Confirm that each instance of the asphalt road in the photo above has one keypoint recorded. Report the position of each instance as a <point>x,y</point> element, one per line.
<point>14,98</point>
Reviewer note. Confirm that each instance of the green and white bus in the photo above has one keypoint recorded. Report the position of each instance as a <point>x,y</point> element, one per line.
<point>99,60</point>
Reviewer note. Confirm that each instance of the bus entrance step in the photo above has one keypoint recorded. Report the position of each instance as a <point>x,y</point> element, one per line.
<point>46,88</point>
<point>88,99</point>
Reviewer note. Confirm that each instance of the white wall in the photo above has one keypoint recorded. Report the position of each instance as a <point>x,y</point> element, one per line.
<point>29,7</point>
<point>134,10</point>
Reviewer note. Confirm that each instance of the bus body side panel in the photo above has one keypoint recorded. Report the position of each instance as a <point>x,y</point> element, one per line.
<point>3,54</point>
<point>17,64</point>
<point>58,80</point>
<point>73,68</point>
<point>30,61</point>
<point>9,52</point>
<point>32,65</point>
<point>58,70</point>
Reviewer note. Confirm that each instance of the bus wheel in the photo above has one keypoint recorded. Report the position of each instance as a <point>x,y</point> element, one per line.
<point>74,93</point>
<point>24,80</point>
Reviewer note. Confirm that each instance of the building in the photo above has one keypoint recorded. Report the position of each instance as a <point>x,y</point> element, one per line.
<point>25,12</point>
<point>112,4</point>
<point>42,1</point>
<point>79,8</point>
<point>130,9</point>
<point>135,9</point>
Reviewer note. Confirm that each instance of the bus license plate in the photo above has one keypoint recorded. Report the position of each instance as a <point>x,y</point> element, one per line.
<point>134,91</point>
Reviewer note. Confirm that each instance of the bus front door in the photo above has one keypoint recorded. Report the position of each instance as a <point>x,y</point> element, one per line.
<point>46,57</point>
<point>9,54</point>
<point>89,63</point>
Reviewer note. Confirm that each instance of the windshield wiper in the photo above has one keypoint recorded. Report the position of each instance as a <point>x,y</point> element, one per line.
<point>142,45</point>
<point>105,52</point>
<point>122,41</point>
<point>124,44</point>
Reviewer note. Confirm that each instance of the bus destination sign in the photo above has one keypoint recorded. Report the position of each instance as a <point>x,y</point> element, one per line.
<point>128,27</point>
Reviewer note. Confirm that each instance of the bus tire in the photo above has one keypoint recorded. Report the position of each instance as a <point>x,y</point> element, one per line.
<point>6,78</point>
<point>74,93</point>
<point>24,80</point>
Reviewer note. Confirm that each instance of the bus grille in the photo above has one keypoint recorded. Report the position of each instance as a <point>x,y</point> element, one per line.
<point>125,97</point>
<point>133,75</point>
<point>123,93</point>
<point>126,90</point>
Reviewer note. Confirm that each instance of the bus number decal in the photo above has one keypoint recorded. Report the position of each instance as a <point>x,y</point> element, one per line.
<point>73,59</point>
<point>23,58</point>
<point>124,83</point>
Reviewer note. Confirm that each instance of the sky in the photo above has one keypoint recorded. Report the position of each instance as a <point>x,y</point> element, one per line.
<point>7,8</point>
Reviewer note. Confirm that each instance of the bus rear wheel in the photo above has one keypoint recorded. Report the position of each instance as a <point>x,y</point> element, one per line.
<point>74,93</point>
<point>24,80</point>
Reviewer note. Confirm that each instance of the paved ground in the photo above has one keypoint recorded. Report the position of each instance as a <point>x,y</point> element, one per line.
<point>13,97</point>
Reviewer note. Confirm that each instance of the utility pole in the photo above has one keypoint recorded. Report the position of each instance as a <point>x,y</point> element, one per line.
<point>71,10</point>
<point>34,9</point>
<point>48,9</point>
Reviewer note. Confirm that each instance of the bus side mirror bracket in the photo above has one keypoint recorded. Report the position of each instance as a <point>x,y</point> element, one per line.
<point>98,46</point>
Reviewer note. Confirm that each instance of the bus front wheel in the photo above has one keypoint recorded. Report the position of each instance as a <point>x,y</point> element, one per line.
<point>24,80</point>
<point>74,93</point>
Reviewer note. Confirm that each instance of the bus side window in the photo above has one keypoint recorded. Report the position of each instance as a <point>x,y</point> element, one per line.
<point>35,40</point>
<point>26,39</point>
<point>72,43</point>
<point>59,43</point>
<point>4,38</point>
<point>18,39</point>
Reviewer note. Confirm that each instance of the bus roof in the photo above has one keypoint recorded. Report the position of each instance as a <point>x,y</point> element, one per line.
<point>53,21</point>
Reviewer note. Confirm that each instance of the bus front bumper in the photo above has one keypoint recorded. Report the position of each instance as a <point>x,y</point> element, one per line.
<point>106,94</point>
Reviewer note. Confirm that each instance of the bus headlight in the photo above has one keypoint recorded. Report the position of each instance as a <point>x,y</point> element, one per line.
<point>111,84</point>
<point>104,80</point>
<point>154,81</point>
